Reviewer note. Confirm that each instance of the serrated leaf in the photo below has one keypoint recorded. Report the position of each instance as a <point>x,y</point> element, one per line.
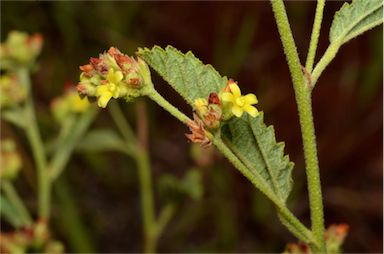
<point>255,145</point>
<point>355,18</point>
<point>248,138</point>
<point>184,72</point>
<point>101,140</point>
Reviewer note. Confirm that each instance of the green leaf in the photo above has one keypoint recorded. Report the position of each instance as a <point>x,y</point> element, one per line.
<point>9,212</point>
<point>355,18</point>
<point>184,72</point>
<point>101,140</point>
<point>255,145</point>
<point>176,190</point>
<point>248,138</point>
<point>15,116</point>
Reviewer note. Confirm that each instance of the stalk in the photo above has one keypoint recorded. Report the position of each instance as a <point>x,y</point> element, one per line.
<point>303,100</point>
<point>34,138</point>
<point>145,176</point>
<point>315,35</point>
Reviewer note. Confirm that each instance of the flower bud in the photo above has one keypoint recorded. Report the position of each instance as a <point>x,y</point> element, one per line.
<point>114,75</point>
<point>199,134</point>
<point>69,103</point>
<point>209,110</point>
<point>10,160</point>
<point>12,92</point>
<point>20,49</point>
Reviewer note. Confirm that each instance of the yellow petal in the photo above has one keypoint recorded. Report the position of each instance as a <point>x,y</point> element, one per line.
<point>115,90</point>
<point>101,89</point>
<point>250,99</point>
<point>237,111</point>
<point>228,97</point>
<point>104,99</point>
<point>235,89</point>
<point>251,110</point>
<point>110,75</point>
<point>118,76</point>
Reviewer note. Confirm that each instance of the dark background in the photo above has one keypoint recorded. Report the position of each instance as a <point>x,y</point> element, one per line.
<point>241,41</point>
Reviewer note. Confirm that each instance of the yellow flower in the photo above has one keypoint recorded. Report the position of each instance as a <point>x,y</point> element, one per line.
<point>201,106</point>
<point>238,102</point>
<point>109,90</point>
<point>78,104</point>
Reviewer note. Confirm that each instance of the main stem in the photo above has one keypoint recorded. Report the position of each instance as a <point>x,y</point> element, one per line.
<point>37,148</point>
<point>303,99</point>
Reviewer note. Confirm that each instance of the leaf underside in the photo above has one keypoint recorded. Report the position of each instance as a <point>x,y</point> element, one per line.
<point>355,18</point>
<point>248,138</point>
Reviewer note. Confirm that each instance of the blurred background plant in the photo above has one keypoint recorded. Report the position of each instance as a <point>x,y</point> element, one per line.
<point>96,201</point>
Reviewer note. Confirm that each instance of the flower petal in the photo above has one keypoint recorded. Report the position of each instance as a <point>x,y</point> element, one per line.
<point>110,75</point>
<point>101,89</point>
<point>228,97</point>
<point>250,99</point>
<point>118,76</point>
<point>251,110</point>
<point>104,99</point>
<point>237,111</point>
<point>235,89</point>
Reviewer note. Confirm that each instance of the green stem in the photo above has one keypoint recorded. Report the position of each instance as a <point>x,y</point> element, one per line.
<point>298,228</point>
<point>315,35</point>
<point>63,153</point>
<point>303,99</point>
<point>145,178</point>
<point>75,230</point>
<point>164,218</point>
<point>154,95</point>
<point>37,148</point>
<point>16,201</point>
<point>328,56</point>
<point>121,123</point>
<point>147,202</point>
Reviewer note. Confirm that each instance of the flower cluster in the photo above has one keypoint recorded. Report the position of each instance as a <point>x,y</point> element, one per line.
<point>10,163</point>
<point>33,237</point>
<point>20,49</point>
<point>113,75</point>
<point>211,112</point>
<point>12,92</point>
<point>69,103</point>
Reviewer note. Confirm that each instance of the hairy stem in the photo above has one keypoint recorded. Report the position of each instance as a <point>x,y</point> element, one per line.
<point>328,56</point>
<point>303,100</point>
<point>315,35</point>
<point>34,138</point>
<point>154,95</point>
<point>16,201</point>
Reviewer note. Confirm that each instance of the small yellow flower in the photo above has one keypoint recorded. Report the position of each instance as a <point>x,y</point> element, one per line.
<point>238,102</point>
<point>111,89</point>
<point>201,106</point>
<point>78,104</point>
